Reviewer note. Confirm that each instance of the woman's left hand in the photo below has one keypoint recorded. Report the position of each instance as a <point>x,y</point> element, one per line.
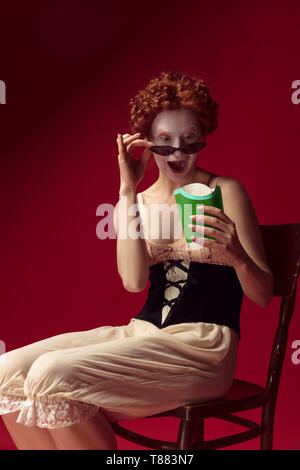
<point>227,240</point>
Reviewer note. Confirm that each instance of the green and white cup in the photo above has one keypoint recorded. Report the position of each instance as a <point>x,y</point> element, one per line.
<point>188,198</point>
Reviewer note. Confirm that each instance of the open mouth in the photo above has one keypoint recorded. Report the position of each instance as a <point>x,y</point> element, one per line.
<point>177,167</point>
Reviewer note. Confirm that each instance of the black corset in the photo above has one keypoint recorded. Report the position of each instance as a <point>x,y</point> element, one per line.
<point>211,293</point>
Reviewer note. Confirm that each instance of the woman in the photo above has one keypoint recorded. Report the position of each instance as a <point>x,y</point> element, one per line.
<point>182,347</point>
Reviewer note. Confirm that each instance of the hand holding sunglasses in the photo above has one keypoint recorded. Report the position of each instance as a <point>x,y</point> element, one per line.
<point>131,169</point>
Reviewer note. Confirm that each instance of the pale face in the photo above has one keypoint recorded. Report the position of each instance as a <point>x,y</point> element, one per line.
<point>174,128</point>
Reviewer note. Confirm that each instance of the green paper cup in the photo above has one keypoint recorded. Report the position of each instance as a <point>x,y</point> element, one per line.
<point>188,198</point>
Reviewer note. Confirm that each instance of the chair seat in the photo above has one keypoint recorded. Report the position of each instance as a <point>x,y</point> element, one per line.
<point>240,395</point>
<point>241,389</point>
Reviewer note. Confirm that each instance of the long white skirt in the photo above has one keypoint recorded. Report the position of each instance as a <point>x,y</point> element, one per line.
<point>129,371</point>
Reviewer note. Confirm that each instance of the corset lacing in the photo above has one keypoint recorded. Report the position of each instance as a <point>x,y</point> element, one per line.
<point>175,284</point>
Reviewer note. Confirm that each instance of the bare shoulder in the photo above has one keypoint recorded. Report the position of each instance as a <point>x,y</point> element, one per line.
<point>233,193</point>
<point>240,209</point>
<point>235,197</point>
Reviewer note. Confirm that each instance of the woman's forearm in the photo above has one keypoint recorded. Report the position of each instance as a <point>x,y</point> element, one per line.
<point>132,255</point>
<point>256,283</point>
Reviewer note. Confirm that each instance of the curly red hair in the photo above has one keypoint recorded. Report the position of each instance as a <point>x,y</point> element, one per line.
<point>172,90</point>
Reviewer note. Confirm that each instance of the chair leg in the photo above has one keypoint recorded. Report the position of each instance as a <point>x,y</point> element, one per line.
<point>185,435</point>
<point>267,421</point>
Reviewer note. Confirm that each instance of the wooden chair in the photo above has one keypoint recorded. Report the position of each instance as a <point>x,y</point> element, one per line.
<point>282,250</point>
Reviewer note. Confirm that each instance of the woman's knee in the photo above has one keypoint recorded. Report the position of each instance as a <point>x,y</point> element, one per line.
<point>48,374</point>
<point>13,370</point>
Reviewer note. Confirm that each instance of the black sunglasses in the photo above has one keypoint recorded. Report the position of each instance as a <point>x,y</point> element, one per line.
<point>167,150</point>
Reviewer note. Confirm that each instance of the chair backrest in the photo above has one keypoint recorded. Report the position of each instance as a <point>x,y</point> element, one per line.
<point>282,248</point>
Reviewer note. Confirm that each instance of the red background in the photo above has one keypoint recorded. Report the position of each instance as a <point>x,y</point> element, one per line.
<point>70,69</point>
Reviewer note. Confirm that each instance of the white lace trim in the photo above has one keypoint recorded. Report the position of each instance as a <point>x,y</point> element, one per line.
<point>54,414</point>
<point>10,403</point>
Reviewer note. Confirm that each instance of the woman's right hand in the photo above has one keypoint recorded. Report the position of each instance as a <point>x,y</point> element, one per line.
<point>131,169</point>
